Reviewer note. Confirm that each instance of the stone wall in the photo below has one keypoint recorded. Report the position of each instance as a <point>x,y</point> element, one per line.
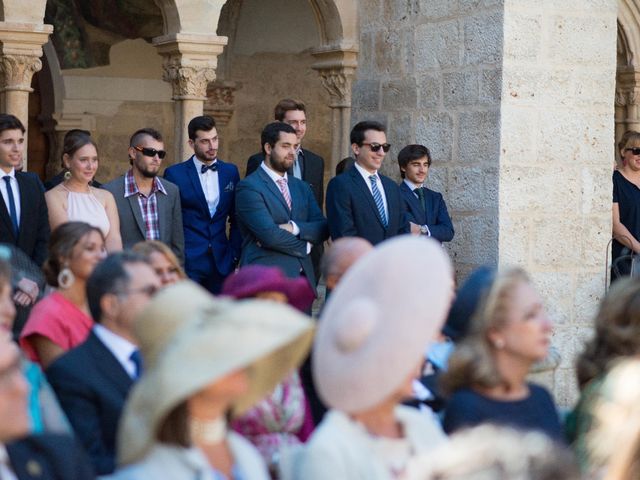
<point>515,101</point>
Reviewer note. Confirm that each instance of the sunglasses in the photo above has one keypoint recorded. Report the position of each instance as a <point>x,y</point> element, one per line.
<point>151,152</point>
<point>377,146</point>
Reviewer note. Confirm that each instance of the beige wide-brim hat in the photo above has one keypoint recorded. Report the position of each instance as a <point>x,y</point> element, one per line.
<point>378,321</point>
<point>267,338</point>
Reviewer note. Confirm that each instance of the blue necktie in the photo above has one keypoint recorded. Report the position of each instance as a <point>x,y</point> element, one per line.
<point>377,197</point>
<point>136,358</point>
<point>12,205</point>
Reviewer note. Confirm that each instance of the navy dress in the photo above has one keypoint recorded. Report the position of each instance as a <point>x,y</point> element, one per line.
<point>627,195</point>
<point>467,408</point>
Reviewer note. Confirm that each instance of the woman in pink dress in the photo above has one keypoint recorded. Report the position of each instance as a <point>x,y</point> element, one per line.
<point>61,320</point>
<point>283,418</point>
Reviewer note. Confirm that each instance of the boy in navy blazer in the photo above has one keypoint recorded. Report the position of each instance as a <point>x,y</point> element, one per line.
<point>426,209</point>
<point>207,195</point>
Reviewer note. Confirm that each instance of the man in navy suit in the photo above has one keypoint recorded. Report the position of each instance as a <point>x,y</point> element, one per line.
<point>92,381</point>
<point>278,215</point>
<point>426,209</point>
<point>24,220</point>
<point>360,201</point>
<point>207,194</point>
<point>44,456</point>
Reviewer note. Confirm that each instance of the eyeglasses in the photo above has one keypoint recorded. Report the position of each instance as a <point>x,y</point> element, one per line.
<point>634,150</point>
<point>377,146</point>
<point>148,290</point>
<point>151,152</point>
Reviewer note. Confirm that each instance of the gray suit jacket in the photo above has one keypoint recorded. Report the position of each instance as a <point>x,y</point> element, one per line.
<point>169,216</point>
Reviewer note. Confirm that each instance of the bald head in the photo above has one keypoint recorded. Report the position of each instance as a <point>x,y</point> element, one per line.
<point>342,253</point>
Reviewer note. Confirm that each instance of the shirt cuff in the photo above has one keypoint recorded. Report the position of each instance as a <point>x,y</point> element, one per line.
<point>296,229</point>
<point>428,234</point>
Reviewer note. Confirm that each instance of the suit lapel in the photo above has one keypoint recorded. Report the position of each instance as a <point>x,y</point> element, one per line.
<point>5,216</point>
<point>392,205</point>
<point>194,177</point>
<point>162,202</point>
<point>137,213</point>
<point>108,364</point>
<point>271,186</point>
<point>296,200</point>
<point>414,203</point>
<point>25,193</point>
<point>364,190</point>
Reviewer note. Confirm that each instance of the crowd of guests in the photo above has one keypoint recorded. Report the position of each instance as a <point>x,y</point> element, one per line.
<point>172,334</point>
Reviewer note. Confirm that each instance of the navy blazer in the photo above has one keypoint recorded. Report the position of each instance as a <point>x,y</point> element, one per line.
<point>312,171</point>
<point>92,387</point>
<point>34,231</point>
<point>203,232</point>
<point>261,207</point>
<point>352,212</point>
<point>49,457</point>
<point>435,217</point>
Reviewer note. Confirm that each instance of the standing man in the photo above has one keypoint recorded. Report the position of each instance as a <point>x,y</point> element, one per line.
<point>360,201</point>
<point>149,209</point>
<point>92,381</point>
<point>207,193</point>
<point>24,219</point>
<point>426,209</point>
<point>278,215</point>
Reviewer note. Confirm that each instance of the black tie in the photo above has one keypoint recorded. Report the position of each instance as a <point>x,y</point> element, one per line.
<point>420,193</point>
<point>213,167</point>
<point>12,205</point>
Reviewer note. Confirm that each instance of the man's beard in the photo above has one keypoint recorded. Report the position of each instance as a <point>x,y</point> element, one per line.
<point>279,164</point>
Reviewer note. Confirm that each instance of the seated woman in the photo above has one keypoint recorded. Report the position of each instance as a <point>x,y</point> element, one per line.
<point>368,349</point>
<point>76,200</point>
<point>163,261</point>
<point>283,417</point>
<point>487,374</point>
<point>626,208</point>
<point>61,320</point>
<point>616,336</point>
<point>175,424</point>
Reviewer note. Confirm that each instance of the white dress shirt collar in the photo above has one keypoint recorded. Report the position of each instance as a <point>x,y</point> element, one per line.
<point>6,470</point>
<point>412,185</point>
<point>120,347</point>
<point>273,174</point>
<point>366,174</point>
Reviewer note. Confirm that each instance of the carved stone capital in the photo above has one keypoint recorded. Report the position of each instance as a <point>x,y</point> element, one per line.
<point>17,71</point>
<point>188,82</point>
<point>220,101</point>
<point>337,82</point>
<point>626,97</point>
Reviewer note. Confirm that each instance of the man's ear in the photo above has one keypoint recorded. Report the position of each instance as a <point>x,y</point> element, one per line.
<point>355,148</point>
<point>110,305</point>
<point>267,148</point>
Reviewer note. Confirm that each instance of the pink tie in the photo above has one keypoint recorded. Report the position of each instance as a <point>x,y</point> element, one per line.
<point>282,183</point>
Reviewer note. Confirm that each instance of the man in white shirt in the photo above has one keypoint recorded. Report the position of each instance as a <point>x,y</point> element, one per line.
<point>92,380</point>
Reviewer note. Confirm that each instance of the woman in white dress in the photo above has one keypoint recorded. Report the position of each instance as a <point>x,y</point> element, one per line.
<point>75,200</point>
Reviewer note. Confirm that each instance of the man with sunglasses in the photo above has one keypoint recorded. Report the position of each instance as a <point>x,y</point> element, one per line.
<point>149,208</point>
<point>360,201</point>
<point>92,381</point>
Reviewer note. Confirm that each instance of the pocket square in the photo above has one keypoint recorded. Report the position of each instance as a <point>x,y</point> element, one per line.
<point>230,187</point>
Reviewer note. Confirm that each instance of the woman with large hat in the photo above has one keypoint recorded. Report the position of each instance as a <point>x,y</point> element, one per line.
<point>209,360</point>
<point>368,349</point>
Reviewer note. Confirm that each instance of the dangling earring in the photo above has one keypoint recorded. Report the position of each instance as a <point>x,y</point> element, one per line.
<point>67,175</point>
<point>66,278</point>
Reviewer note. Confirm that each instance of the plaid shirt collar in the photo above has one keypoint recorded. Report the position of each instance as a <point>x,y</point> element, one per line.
<point>131,187</point>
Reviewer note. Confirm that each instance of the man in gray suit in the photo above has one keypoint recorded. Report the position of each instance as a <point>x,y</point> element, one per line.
<point>149,208</point>
<point>278,215</point>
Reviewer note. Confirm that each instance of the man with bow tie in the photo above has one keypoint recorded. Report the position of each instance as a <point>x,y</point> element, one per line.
<point>426,209</point>
<point>207,193</point>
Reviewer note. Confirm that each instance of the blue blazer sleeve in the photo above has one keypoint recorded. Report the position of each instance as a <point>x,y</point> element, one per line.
<point>339,210</point>
<point>442,229</point>
<point>315,229</point>
<point>235,238</point>
<point>252,212</point>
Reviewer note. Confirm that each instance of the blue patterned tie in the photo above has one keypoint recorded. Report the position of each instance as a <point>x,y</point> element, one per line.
<point>12,205</point>
<point>377,197</point>
<point>136,358</point>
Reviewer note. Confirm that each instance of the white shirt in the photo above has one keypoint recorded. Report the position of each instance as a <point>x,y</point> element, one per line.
<point>276,177</point>
<point>366,176</point>
<point>6,471</point>
<point>121,348</point>
<point>14,188</point>
<point>210,185</point>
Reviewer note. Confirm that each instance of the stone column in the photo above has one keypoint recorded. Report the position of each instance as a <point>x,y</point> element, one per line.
<point>337,68</point>
<point>220,104</point>
<point>190,62</point>
<point>20,52</point>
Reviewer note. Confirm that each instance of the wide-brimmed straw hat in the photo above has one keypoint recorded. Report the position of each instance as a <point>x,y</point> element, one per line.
<point>266,338</point>
<point>378,322</point>
<point>253,279</point>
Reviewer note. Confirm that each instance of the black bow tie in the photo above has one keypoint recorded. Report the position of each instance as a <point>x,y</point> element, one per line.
<point>213,167</point>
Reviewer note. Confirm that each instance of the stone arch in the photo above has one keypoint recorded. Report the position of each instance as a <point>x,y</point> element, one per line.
<point>183,16</point>
<point>337,22</point>
<point>19,11</point>
<point>627,100</point>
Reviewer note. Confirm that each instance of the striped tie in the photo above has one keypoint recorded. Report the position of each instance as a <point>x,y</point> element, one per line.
<point>377,197</point>
<point>282,183</point>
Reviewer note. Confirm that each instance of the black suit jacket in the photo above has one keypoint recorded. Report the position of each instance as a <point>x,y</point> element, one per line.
<point>92,387</point>
<point>312,171</point>
<point>435,216</point>
<point>33,236</point>
<point>49,457</point>
<point>352,212</point>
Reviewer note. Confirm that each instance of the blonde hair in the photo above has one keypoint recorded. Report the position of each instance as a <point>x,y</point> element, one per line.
<point>148,247</point>
<point>472,363</point>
